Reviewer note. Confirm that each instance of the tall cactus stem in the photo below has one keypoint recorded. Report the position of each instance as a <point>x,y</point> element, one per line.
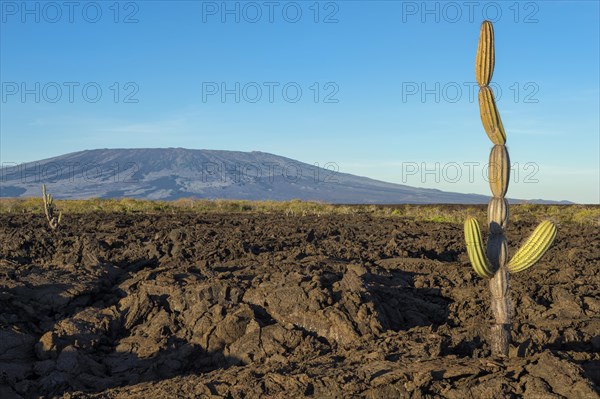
<point>493,264</point>
<point>500,299</point>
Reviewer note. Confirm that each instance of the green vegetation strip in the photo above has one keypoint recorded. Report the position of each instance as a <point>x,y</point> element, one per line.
<point>579,214</point>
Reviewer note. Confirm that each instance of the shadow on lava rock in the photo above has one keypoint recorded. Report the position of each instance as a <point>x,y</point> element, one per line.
<point>106,328</point>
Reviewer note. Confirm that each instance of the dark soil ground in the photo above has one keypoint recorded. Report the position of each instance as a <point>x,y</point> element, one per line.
<point>269,305</point>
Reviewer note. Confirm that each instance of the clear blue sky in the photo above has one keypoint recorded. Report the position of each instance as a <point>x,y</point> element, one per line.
<point>366,58</point>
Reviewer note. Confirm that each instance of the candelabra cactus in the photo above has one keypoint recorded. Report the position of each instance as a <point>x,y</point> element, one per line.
<point>492,263</point>
<point>49,209</point>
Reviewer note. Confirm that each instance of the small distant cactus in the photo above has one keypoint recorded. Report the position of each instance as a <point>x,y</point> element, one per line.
<point>492,263</point>
<point>50,210</point>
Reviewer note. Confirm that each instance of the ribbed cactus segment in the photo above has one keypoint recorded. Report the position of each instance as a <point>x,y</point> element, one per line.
<point>497,251</point>
<point>475,248</point>
<point>497,214</point>
<point>534,248</point>
<point>499,171</point>
<point>484,61</point>
<point>490,117</point>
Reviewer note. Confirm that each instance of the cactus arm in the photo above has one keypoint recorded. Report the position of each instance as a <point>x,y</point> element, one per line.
<point>534,248</point>
<point>475,249</point>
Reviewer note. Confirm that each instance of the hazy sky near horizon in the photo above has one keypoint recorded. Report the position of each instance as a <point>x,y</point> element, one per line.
<point>384,89</point>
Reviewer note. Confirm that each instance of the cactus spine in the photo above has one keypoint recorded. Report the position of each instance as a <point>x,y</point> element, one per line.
<point>494,264</point>
<point>49,209</point>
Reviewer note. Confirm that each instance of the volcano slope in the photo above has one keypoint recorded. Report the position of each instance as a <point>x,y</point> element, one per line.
<point>245,305</point>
